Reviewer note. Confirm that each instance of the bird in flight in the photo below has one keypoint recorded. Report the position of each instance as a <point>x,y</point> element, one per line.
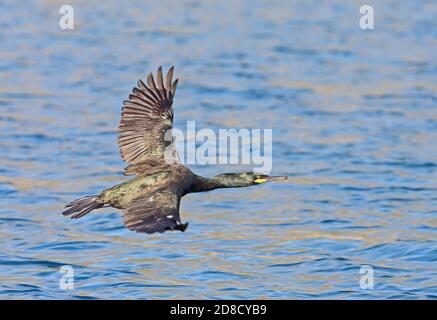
<point>150,201</point>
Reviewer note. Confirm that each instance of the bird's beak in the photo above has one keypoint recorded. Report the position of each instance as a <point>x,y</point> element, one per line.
<point>268,179</point>
<point>277,178</point>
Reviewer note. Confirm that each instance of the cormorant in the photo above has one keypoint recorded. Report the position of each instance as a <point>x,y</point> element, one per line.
<point>151,200</point>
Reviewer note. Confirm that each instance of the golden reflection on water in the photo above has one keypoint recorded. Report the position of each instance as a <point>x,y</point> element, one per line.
<point>353,117</point>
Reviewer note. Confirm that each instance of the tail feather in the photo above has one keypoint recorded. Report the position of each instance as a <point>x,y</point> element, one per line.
<point>82,206</point>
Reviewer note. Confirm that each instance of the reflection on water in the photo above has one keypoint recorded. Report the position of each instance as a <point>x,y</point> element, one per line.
<point>354,125</point>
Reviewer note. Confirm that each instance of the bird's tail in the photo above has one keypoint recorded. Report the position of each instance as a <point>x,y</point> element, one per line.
<point>82,206</point>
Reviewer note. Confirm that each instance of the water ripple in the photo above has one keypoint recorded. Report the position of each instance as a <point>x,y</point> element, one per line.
<point>354,124</point>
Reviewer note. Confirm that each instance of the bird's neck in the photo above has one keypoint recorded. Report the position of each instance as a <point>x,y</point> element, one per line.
<point>207,184</point>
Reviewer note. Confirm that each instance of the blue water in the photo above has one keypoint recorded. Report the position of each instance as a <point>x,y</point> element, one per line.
<point>354,121</point>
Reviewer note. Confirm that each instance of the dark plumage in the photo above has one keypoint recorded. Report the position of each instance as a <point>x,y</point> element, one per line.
<point>150,201</point>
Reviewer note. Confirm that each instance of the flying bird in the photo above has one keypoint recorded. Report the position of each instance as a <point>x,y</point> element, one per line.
<point>150,201</point>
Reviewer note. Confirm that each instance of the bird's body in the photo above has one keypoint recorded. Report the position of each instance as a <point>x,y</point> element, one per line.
<point>150,201</point>
<point>121,195</point>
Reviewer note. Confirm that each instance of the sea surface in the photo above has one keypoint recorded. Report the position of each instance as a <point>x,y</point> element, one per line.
<point>354,120</point>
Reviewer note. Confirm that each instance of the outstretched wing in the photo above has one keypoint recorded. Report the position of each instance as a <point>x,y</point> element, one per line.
<point>157,211</point>
<point>145,118</point>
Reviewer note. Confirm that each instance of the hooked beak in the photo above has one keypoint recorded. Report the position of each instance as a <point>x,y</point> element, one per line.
<point>274,178</point>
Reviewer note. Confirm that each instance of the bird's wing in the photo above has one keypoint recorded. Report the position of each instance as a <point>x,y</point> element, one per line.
<point>145,119</point>
<point>157,211</point>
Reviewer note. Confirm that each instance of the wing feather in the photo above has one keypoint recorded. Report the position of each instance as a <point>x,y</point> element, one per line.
<point>168,82</point>
<point>157,211</point>
<point>145,117</point>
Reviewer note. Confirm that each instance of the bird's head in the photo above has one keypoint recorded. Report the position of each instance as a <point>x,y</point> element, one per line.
<point>245,179</point>
<point>258,179</point>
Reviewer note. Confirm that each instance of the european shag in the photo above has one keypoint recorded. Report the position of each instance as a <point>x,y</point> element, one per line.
<point>150,201</point>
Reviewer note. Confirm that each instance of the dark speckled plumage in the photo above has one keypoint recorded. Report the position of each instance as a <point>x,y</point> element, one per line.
<point>150,201</point>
